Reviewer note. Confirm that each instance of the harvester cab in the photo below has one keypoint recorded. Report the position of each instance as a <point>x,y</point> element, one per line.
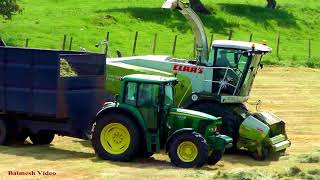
<point>143,121</point>
<point>234,64</point>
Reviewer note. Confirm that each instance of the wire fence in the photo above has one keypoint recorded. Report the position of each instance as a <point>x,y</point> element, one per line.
<point>286,50</point>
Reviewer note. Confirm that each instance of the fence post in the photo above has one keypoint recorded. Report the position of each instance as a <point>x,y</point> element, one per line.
<point>70,45</point>
<point>230,34</point>
<point>154,43</point>
<point>107,45</point>
<point>278,45</point>
<point>309,48</point>
<point>64,42</point>
<point>135,44</point>
<point>250,39</point>
<point>27,42</point>
<point>174,45</point>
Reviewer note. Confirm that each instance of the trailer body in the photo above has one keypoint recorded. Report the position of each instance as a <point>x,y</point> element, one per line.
<point>33,96</point>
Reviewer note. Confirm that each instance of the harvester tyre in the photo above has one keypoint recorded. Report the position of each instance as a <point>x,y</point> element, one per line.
<point>116,137</point>
<point>215,157</point>
<point>231,121</point>
<point>42,137</point>
<point>262,157</point>
<point>188,150</point>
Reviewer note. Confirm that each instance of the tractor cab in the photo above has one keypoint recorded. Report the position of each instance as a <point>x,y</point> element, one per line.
<point>151,95</point>
<point>235,64</point>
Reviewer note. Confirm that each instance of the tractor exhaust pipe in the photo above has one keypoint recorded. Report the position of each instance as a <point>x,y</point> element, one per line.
<point>197,27</point>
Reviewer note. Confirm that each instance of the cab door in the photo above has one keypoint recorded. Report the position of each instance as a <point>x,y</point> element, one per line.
<point>148,104</point>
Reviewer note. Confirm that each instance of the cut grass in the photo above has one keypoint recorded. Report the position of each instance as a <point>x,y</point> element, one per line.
<point>45,23</point>
<point>66,70</point>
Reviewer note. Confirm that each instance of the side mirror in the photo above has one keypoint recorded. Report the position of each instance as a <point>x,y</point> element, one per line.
<point>261,66</point>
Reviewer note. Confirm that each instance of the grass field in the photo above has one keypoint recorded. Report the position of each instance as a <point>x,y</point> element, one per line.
<point>291,93</point>
<point>45,23</point>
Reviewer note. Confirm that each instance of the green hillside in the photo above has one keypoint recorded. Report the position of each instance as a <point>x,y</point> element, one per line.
<point>45,23</point>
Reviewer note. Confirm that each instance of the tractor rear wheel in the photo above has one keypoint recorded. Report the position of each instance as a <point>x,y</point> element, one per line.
<point>215,157</point>
<point>116,137</point>
<point>231,120</point>
<point>188,150</point>
<point>42,137</point>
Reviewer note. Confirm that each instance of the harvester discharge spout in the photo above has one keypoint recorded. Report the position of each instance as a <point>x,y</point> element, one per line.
<point>201,42</point>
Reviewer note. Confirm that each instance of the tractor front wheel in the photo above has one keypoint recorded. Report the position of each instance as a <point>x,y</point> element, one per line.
<point>188,150</point>
<point>215,157</point>
<point>116,137</point>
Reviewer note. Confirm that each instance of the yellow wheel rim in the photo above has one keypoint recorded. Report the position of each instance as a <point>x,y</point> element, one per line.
<point>187,151</point>
<point>115,138</point>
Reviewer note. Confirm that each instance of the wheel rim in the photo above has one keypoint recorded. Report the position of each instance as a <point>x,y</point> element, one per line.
<point>187,151</point>
<point>115,138</point>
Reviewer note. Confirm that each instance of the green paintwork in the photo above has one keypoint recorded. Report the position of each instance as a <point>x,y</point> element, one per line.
<point>174,119</point>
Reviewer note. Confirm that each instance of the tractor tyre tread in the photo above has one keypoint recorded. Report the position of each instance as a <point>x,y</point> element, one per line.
<point>135,137</point>
<point>198,140</point>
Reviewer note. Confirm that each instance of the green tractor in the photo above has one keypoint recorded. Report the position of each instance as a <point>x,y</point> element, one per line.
<point>142,121</point>
<point>217,82</point>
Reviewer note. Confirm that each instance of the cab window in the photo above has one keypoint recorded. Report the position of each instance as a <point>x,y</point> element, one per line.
<point>225,58</point>
<point>148,94</point>
<point>131,93</point>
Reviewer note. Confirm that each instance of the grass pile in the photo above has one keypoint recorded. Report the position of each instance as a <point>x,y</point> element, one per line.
<point>66,70</point>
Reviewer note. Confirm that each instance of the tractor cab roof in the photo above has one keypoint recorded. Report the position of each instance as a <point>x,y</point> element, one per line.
<point>144,78</point>
<point>229,44</point>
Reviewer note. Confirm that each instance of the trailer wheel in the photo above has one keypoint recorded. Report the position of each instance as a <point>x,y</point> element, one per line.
<point>188,150</point>
<point>215,157</point>
<point>7,133</point>
<point>42,137</point>
<point>22,135</point>
<point>116,137</point>
<point>3,132</point>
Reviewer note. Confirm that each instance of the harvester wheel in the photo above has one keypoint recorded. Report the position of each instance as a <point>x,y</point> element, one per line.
<point>116,137</point>
<point>260,157</point>
<point>188,150</point>
<point>42,137</point>
<point>231,121</point>
<point>215,157</point>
